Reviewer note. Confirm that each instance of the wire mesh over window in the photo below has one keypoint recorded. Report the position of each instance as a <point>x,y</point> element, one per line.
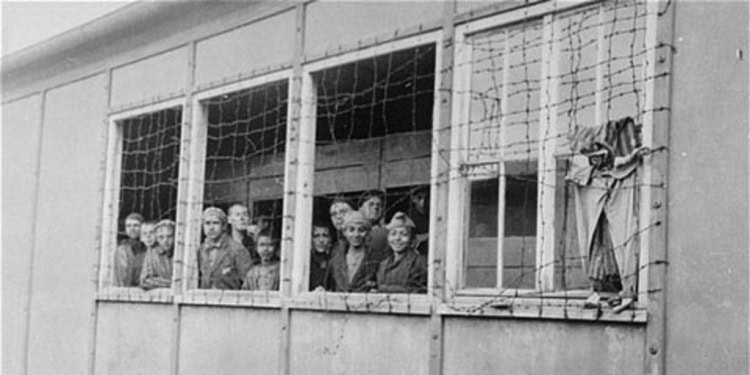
<point>533,87</point>
<point>373,136</point>
<point>148,184</point>
<point>244,166</point>
<point>150,164</point>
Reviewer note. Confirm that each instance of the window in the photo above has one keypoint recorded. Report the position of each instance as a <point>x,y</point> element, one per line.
<point>537,103</point>
<point>142,197</point>
<point>373,120</point>
<point>240,154</point>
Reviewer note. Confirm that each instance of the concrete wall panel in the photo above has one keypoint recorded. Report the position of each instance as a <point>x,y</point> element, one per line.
<point>268,42</point>
<point>330,24</point>
<point>339,343</point>
<point>66,227</point>
<point>21,132</point>
<point>133,338</point>
<point>228,340</point>
<point>160,75</point>
<point>497,346</point>
<point>708,192</point>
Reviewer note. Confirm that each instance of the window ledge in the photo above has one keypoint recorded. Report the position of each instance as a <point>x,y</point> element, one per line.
<point>538,308</point>
<point>160,295</point>
<point>417,304</point>
<point>269,299</point>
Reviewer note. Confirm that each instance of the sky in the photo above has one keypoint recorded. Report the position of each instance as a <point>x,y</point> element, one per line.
<point>25,23</point>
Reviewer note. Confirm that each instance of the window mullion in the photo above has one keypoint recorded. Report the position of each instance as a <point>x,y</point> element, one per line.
<point>198,136</point>
<point>502,180</point>
<point>545,250</point>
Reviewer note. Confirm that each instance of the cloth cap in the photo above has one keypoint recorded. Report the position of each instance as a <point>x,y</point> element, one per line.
<point>400,219</point>
<point>165,223</point>
<point>215,211</point>
<point>356,217</point>
<point>135,216</point>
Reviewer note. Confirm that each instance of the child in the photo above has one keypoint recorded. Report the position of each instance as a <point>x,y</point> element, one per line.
<point>157,266</point>
<point>354,269</point>
<point>265,275</point>
<point>129,253</point>
<point>221,260</point>
<point>404,271</point>
<point>320,255</point>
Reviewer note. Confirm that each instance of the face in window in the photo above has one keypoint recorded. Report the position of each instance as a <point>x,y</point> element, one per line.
<point>239,217</point>
<point>356,233</point>
<point>265,248</point>
<point>321,239</point>
<point>399,238</point>
<point>372,209</point>
<point>148,237</point>
<point>338,212</point>
<point>133,228</point>
<point>213,227</point>
<point>165,237</point>
<point>418,201</point>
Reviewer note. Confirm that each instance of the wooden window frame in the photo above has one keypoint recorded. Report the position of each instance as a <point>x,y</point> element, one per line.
<point>529,302</point>
<point>111,205</point>
<point>301,298</point>
<point>190,294</point>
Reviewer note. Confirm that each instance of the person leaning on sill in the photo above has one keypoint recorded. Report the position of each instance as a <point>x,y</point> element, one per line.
<point>222,261</point>
<point>354,269</point>
<point>405,270</point>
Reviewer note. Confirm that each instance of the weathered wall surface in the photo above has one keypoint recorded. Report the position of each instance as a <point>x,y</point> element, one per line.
<point>67,223</point>
<point>707,285</point>
<point>133,338</point>
<point>344,343</point>
<point>21,132</point>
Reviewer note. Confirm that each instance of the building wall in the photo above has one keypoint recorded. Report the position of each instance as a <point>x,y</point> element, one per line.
<point>21,132</point>
<point>707,284</point>
<point>707,275</point>
<point>66,226</point>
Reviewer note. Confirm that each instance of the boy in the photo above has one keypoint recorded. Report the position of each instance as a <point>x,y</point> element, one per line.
<point>371,205</point>
<point>404,271</point>
<point>354,269</point>
<point>320,255</point>
<point>129,254</point>
<point>222,261</point>
<point>157,265</point>
<point>338,210</point>
<point>239,221</point>
<point>265,275</point>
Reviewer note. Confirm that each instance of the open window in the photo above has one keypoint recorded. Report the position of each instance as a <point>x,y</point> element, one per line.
<point>372,114</point>
<point>235,219</point>
<point>547,153</point>
<point>141,199</point>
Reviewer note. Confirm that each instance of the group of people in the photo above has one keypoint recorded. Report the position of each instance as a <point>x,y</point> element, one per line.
<point>358,253</point>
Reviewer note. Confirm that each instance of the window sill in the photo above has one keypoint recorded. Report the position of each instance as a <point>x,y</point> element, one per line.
<point>120,294</point>
<point>538,307</point>
<point>416,304</point>
<point>268,299</point>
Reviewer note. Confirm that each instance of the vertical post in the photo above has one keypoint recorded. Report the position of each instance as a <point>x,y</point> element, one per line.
<point>545,255</point>
<point>656,124</point>
<point>441,133</point>
<point>296,186</point>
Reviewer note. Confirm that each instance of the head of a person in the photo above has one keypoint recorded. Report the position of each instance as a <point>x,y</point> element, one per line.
<point>214,223</point>
<point>266,246</point>
<point>356,229</point>
<point>371,205</point>
<point>338,210</point>
<point>239,216</point>
<point>133,225</point>
<point>321,237</point>
<point>400,232</point>
<point>148,234</point>
<point>165,234</point>
<point>419,200</point>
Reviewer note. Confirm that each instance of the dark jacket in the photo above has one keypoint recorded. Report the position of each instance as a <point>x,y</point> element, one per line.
<point>364,277</point>
<point>407,275</point>
<point>230,265</point>
<point>319,264</point>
